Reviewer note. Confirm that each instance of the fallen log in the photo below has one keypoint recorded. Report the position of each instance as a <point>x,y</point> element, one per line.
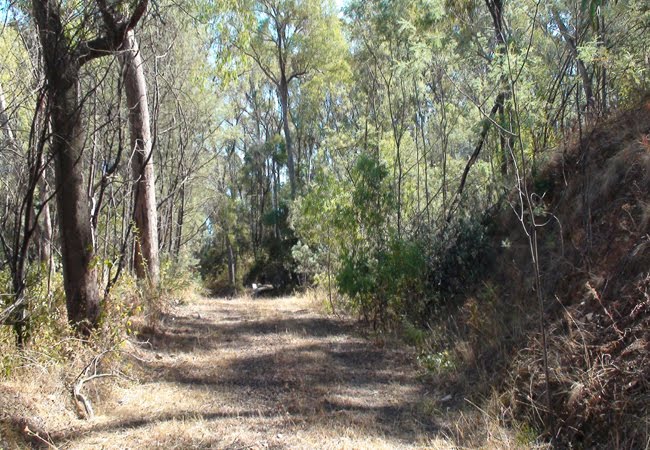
<point>259,288</point>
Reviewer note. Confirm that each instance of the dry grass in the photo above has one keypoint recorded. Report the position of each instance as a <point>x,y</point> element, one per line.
<point>35,397</point>
<point>252,373</point>
<point>257,373</point>
<point>596,284</point>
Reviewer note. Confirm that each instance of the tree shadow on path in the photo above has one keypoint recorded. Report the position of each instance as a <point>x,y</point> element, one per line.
<point>303,369</point>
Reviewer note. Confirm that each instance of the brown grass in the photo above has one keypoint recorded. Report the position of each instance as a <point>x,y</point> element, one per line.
<point>247,373</point>
<point>595,268</point>
<point>254,373</point>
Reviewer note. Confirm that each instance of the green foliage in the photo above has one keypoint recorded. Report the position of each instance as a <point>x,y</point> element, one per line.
<point>176,279</point>
<point>413,335</point>
<point>46,307</point>
<point>526,435</point>
<point>372,196</point>
<point>459,257</point>
<point>307,262</point>
<point>438,363</point>
<point>5,285</point>
<point>380,272</point>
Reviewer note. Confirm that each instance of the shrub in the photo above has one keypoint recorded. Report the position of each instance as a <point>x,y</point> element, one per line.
<point>456,260</point>
<point>385,283</point>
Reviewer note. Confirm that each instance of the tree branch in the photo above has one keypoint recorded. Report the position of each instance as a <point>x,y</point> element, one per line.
<point>302,73</point>
<point>477,150</point>
<point>116,33</point>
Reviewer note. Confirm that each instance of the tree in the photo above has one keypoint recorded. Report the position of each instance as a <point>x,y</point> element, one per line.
<point>572,45</point>
<point>25,226</point>
<point>144,204</point>
<point>294,39</point>
<point>64,55</point>
<point>25,218</point>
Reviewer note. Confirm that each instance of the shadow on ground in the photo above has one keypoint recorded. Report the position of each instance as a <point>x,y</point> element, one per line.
<point>298,368</point>
<point>187,334</point>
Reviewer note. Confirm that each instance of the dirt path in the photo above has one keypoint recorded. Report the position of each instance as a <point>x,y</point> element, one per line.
<point>264,373</point>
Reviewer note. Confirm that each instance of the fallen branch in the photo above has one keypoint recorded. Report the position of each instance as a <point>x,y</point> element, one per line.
<point>5,316</point>
<point>258,289</point>
<point>84,406</point>
<point>35,435</point>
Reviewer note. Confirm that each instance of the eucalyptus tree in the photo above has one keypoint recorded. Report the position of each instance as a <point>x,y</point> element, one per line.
<point>146,260</point>
<point>64,31</point>
<point>573,43</point>
<point>293,40</point>
<point>387,59</point>
<point>186,117</point>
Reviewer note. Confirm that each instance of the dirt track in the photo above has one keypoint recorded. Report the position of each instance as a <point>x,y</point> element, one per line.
<point>264,373</point>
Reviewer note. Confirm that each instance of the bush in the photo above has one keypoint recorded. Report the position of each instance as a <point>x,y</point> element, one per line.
<point>456,260</point>
<point>386,283</point>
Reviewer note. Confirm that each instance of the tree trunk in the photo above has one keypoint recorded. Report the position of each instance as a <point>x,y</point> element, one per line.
<point>232,266</point>
<point>572,44</point>
<point>146,258</point>
<point>44,227</point>
<point>62,63</point>
<point>4,119</point>
<point>79,275</point>
<point>180,218</point>
<point>45,231</point>
<point>496,11</point>
<point>284,103</point>
<point>18,256</point>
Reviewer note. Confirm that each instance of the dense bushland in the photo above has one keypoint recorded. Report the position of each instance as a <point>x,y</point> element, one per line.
<point>446,169</point>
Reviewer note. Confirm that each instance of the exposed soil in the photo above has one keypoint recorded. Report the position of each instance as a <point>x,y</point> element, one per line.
<point>264,373</point>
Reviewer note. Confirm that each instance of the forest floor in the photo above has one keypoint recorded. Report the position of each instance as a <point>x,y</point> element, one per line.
<point>246,373</point>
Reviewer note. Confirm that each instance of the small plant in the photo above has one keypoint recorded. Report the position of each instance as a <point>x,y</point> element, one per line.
<point>307,262</point>
<point>413,335</point>
<point>526,435</point>
<point>438,363</point>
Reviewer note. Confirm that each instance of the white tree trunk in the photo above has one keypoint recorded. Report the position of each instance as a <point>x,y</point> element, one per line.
<point>144,213</point>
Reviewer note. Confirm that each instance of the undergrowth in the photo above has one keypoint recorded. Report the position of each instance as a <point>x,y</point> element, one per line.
<point>485,346</point>
<point>36,381</point>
